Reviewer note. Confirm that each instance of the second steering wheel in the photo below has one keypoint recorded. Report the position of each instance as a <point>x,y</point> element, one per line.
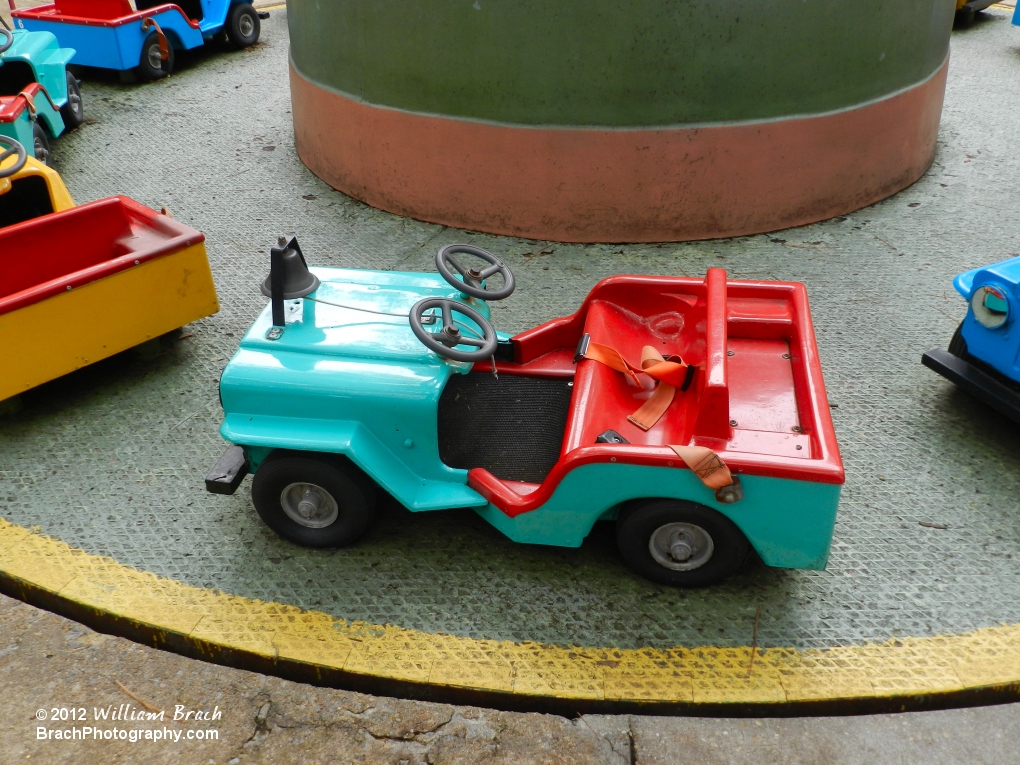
<point>474,277</point>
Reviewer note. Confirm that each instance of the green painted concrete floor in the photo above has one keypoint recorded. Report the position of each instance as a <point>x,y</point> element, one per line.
<point>111,459</point>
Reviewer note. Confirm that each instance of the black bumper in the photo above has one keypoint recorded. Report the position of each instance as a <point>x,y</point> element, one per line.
<point>228,472</point>
<point>985,387</point>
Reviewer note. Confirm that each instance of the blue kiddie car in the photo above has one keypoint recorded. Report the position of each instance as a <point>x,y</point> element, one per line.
<point>111,34</point>
<point>39,98</point>
<point>984,353</point>
<point>352,384</point>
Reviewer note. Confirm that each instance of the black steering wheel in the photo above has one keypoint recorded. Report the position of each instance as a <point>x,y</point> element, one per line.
<point>11,147</point>
<point>445,341</point>
<point>474,277</point>
<point>8,38</point>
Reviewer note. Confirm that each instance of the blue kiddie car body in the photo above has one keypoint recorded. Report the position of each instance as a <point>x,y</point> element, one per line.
<point>984,354</point>
<point>110,34</point>
<point>39,99</point>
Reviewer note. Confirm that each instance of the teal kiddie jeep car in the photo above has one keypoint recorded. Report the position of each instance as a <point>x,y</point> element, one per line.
<point>352,383</point>
<point>39,98</point>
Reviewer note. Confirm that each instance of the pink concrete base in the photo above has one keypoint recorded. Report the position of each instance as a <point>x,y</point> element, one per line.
<point>595,185</point>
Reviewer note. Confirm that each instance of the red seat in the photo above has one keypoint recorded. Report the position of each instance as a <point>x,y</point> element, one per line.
<point>690,322</point>
<point>604,398</point>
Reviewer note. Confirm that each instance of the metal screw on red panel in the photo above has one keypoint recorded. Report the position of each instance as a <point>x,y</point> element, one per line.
<point>729,353</point>
<point>733,423</point>
<point>786,355</point>
<point>796,428</point>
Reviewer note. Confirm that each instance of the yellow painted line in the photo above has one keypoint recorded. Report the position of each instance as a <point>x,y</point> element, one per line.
<point>276,7</point>
<point>905,667</point>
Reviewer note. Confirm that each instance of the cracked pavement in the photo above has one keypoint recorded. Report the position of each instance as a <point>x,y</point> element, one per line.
<point>47,661</point>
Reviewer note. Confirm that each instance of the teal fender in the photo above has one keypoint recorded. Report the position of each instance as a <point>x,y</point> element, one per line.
<point>20,129</point>
<point>311,388</point>
<point>788,523</point>
<point>42,52</point>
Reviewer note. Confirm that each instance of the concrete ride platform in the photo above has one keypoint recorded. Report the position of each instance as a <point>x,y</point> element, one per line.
<point>105,517</point>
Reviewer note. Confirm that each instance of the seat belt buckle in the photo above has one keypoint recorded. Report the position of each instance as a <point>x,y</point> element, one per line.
<point>582,347</point>
<point>610,437</point>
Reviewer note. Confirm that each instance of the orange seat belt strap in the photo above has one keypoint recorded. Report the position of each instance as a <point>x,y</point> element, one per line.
<point>164,47</point>
<point>30,101</point>
<point>672,370</point>
<point>706,464</point>
<point>612,358</point>
<point>653,409</point>
<point>670,374</point>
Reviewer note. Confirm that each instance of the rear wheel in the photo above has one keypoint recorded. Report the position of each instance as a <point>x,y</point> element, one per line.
<point>41,144</point>
<point>680,543</point>
<point>315,500</point>
<point>72,111</point>
<point>243,25</point>
<point>151,66</point>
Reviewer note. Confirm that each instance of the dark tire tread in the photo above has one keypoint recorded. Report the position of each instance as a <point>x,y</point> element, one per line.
<point>639,519</point>
<point>233,28</point>
<point>353,491</point>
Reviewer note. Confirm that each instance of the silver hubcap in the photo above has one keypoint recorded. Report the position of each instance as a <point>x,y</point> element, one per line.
<point>155,58</point>
<point>309,505</point>
<point>681,546</point>
<point>246,25</point>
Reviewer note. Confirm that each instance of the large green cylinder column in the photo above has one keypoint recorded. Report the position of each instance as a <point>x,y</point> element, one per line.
<point>618,120</point>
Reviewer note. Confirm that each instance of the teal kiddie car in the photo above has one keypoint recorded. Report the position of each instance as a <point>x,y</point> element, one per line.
<point>352,383</point>
<point>39,98</point>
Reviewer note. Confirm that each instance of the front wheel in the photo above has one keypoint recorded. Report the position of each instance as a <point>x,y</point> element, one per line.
<point>314,500</point>
<point>957,345</point>
<point>72,112</point>
<point>152,66</point>
<point>243,26</point>
<point>680,543</point>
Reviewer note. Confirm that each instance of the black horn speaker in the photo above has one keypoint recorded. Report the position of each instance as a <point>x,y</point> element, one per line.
<point>289,277</point>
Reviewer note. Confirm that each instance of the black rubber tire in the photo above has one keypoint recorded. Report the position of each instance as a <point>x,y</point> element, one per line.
<point>352,491</point>
<point>146,70</point>
<point>958,346</point>
<point>41,144</point>
<point>964,18</point>
<point>238,12</point>
<point>637,522</point>
<point>72,112</point>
